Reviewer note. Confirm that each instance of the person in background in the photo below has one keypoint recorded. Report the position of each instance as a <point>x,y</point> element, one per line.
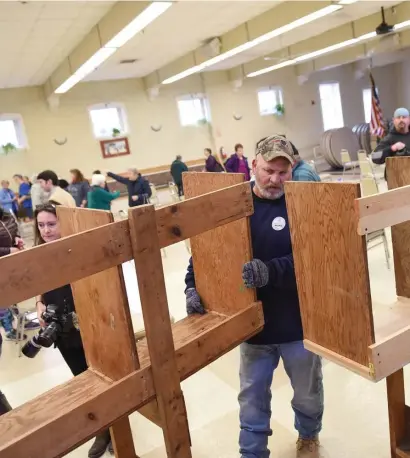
<point>38,195</point>
<point>8,199</point>
<point>272,273</point>
<point>64,184</point>
<point>98,172</point>
<point>78,188</point>
<point>177,168</point>
<point>98,198</point>
<point>10,242</point>
<point>211,164</point>
<point>302,171</point>
<point>397,141</point>
<point>238,163</point>
<point>139,190</point>
<point>70,345</point>
<point>27,180</point>
<point>49,182</point>
<point>24,199</point>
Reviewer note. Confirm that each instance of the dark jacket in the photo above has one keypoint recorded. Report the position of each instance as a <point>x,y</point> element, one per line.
<point>212,165</point>
<point>139,187</point>
<point>79,191</point>
<point>100,199</point>
<point>271,244</point>
<point>8,233</point>
<point>383,149</point>
<point>232,164</point>
<point>177,168</point>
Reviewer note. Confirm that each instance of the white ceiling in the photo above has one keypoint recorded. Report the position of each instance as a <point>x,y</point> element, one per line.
<point>36,36</point>
<point>349,13</point>
<point>181,29</point>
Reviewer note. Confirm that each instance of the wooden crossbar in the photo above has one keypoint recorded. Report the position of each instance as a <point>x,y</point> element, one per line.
<point>95,250</point>
<point>383,210</point>
<point>70,414</point>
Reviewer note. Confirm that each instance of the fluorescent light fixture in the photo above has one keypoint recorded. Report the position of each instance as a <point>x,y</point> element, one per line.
<point>347,2</point>
<point>255,42</point>
<point>152,12</point>
<point>319,52</point>
<point>145,18</point>
<point>401,25</point>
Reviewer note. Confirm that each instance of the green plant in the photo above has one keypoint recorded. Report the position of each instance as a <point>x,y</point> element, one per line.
<point>280,109</point>
<point>8,148</point>
<point>115,132</point>
<point>203,122</point>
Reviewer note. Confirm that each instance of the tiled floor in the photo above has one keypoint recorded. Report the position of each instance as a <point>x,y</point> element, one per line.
<point>355,423</point>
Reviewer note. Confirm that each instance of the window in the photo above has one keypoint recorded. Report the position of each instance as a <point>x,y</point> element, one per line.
<point>268,99</point>
<point>193,110</point>
<point>107,119</point>
<point>367,104</point>
<point>331,103</point>
<point>12,131</point>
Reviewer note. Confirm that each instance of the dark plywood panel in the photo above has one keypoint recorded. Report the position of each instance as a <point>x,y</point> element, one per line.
<point>219,254</point>
<point>331,267</point>
<point>398,174</point>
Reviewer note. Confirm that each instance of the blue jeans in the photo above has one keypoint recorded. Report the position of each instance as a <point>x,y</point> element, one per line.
<point>258,362</point>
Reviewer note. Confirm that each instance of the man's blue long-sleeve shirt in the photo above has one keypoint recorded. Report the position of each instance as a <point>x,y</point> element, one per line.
<point>271,243</point>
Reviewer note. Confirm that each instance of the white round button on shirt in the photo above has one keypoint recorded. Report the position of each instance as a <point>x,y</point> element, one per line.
<point>278,223</point>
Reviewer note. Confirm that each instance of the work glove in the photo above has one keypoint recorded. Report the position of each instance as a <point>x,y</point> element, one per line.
<point>255,274</point>
<point>193,302</point>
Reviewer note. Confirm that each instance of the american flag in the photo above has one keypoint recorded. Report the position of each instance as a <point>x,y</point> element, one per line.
<point>376,120</point>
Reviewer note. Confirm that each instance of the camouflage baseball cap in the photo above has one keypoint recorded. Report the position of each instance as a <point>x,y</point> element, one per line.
<point>276,146</point>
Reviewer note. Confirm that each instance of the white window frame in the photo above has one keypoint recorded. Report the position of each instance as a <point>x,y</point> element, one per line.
<point>122,116</point>
<point>203,115</point>
<point>332,115</point>
<point>277,93</point>
<point>21,136</point>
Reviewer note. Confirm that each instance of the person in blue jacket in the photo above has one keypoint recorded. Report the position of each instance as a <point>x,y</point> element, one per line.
<point>139,190</point>
<point>272,273</point>
<point>8,199</point>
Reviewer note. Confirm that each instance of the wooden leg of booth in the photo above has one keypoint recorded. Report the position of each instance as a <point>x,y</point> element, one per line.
<point>399,416</point>
<point>121,437</point>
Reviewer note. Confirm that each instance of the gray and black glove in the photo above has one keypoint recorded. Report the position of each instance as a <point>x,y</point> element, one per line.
<point>193,302</point>
<point>255,274</point>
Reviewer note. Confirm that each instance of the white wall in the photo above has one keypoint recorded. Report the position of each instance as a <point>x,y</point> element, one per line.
<point>302,121</point>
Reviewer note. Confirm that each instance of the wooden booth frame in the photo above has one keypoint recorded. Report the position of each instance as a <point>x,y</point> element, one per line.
<point>329,223</point>
<point>125,376</point>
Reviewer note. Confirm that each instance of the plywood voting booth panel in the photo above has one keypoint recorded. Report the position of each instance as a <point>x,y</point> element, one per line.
<point>329,223</point>
<point>125,376</point>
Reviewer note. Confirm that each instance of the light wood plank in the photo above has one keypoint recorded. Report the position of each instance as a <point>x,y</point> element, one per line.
<point>398,175</point>
<point>363,371</point>
<point>191,217</point>
<point>151,283</point>
<point>76,257</point>
<point>331,267</point>
<point>383,210</point>
<point>221,250</point>
<point>105,320</point>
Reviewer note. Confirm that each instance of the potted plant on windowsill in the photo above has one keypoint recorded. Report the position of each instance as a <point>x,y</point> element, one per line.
<point>280,109</point>
<point>203,122</point>
<point>116,132</point>
<point>8,148</point>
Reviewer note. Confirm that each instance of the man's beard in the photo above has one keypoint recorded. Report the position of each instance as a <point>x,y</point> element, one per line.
<point>269,192</point>
<point>401,127</point>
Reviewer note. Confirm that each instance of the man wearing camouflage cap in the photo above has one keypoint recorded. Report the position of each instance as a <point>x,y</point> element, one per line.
<point>272,273</point>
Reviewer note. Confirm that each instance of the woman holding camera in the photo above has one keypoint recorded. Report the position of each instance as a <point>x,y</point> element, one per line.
<point>47,229</point>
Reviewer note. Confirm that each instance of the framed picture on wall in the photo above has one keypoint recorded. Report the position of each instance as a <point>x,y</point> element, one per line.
<point>115,147</point>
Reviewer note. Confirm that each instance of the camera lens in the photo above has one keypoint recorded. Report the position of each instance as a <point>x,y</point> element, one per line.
<point>49,335</point>
<point>31,348</point>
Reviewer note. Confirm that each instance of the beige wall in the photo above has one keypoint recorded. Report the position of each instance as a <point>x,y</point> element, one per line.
<point>302,121</point>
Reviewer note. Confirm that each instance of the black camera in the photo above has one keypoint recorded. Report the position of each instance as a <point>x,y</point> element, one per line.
<point>58,321</point>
